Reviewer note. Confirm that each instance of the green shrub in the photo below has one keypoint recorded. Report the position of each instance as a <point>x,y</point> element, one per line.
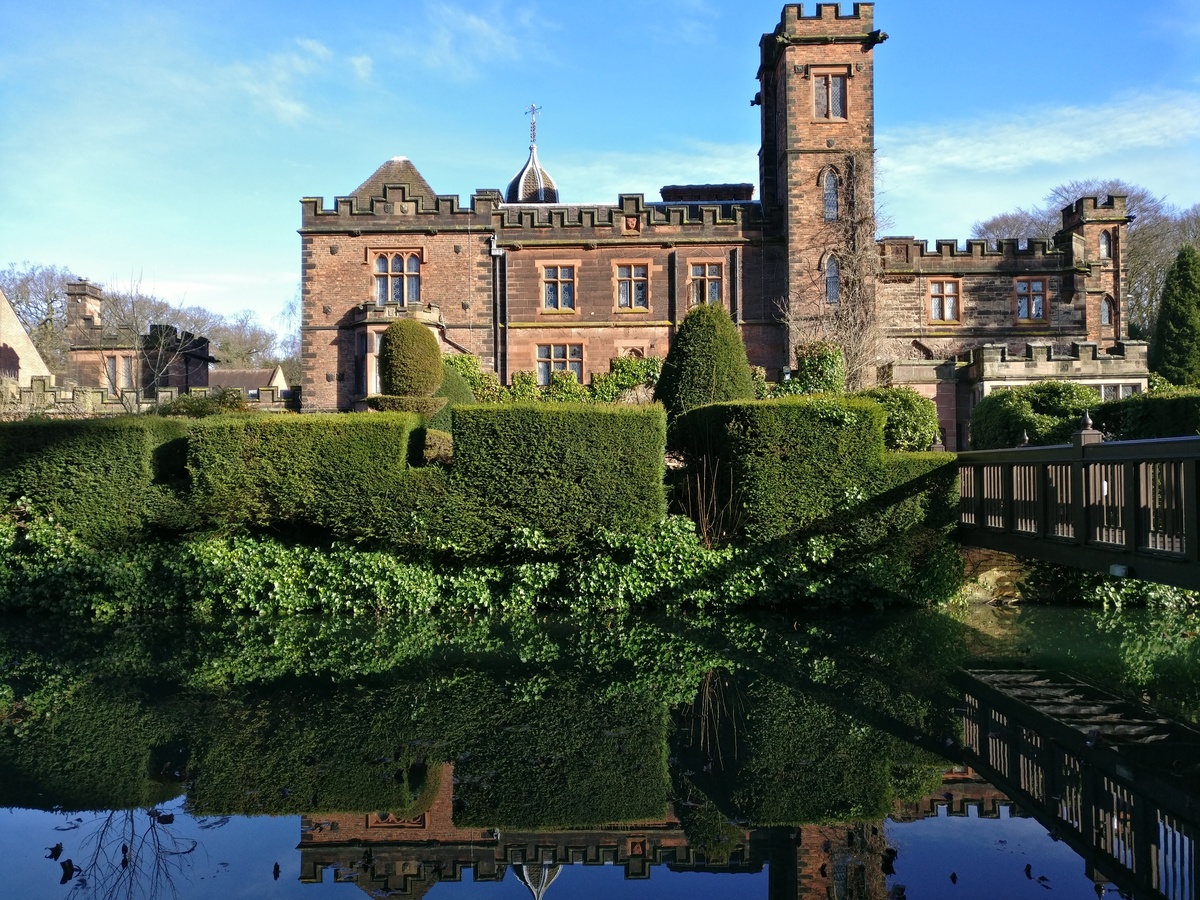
<point>104,479</point>
<point>706,363</point>
<point>625,374</point>
<point>912,422</point>
<point>563,469</point>
<point>305,470</point>
<point>456,390</point>
<point>564,387</point>
<point>820,369</point>
<point>524,388</point>
<point>484,385</point>
<point>410,361</point>
<point>785,465</point>
<point>197,406</point>
<point>1048,412</point>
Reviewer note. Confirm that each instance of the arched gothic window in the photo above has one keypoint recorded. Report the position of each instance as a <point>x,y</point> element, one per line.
<point>398,278</point>
<point>833,286</point>
<point>1108,312</point>
<point>831,197</point>
<point>1105,245</point>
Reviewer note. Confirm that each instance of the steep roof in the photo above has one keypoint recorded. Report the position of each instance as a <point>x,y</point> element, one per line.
<point>397,170</point>
<point>19,358</point>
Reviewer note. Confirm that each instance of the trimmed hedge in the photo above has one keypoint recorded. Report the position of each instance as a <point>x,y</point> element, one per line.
<point>100,478</point>
<point>564,469</point>
<point>318,470</point>
<point>787,465</point>
<point>1173,413</point>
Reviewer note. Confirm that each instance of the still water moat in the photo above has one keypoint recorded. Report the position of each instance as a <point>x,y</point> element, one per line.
<point>988,753</point>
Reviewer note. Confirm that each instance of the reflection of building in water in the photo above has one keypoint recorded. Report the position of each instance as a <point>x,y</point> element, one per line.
<point>406,857</point>
<point>389,856</point>
<point>1115,780</point>
<point>963,790</point>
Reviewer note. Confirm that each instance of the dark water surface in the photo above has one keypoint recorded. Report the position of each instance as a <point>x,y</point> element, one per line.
<point>985,753</point>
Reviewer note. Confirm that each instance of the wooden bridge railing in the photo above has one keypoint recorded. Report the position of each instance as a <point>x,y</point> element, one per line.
<point>1123,507</point>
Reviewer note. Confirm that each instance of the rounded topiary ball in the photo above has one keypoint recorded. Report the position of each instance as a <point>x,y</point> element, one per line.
<point>410,360</point>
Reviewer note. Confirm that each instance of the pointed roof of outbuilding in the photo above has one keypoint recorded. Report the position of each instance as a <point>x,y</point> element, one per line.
<point>397,170</point>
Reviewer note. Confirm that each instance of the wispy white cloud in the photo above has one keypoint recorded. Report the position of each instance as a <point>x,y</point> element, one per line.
<point>457,40</point>
<point>936,181</point>
<point>361,65</point>
<point>1046,135</point>
<point>279,82</point>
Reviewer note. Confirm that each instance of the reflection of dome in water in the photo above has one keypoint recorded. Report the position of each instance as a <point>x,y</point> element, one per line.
<point>532,184</point>
<point>537,878</point>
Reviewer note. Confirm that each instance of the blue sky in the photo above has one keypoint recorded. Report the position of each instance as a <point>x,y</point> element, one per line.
<point>169,143</point>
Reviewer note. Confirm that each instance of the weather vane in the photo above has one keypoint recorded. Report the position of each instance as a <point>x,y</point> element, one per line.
<point>532,110</point>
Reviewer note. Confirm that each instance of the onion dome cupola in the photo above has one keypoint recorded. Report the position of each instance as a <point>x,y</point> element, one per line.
<point>532,184</point>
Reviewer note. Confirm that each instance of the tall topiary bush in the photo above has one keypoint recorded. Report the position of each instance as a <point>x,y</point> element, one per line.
<point>410,361</point>
<point>1175,347</point>
<point>706,364</point>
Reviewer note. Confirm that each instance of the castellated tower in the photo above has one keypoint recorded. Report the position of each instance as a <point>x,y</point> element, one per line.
<point>817,164</point>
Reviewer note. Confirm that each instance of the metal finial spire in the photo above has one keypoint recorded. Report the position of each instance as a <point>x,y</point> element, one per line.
<point>532,110</point>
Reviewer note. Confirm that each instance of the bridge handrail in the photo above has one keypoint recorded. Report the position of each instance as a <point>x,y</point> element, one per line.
<point>1109,451</point>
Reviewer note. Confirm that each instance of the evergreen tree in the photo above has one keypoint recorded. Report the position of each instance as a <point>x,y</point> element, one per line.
<point>1175,348</point>
<point>706,364</point>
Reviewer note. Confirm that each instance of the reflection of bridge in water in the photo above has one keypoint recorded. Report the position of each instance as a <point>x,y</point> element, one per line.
<point>1114,780</point>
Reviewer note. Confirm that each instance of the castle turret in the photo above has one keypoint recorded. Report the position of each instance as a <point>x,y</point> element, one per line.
<point>817,162</point>
<point>1093,236</point>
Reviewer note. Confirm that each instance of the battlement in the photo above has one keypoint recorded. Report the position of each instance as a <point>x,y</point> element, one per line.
<point>1089,209</point>
<point>793,20</point>
<point>900,255</point>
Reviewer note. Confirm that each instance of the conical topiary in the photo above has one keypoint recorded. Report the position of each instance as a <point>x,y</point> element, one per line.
<point>706,364</point>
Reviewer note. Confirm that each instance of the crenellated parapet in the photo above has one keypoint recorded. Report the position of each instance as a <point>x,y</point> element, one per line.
<point>901,256</point>
<point>43,398</point>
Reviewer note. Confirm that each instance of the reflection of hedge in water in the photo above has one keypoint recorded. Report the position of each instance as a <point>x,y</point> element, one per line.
<point>563,759</point>
<point>103,749</point>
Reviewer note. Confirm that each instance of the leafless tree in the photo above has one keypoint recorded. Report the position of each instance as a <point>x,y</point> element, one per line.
<point>129,853</point>
<point>852,322</point>
<point>38,295</point>
<point>1155,235</point>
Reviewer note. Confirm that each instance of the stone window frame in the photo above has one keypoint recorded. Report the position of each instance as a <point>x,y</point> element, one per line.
<point>1029,295</point>
<point>831,268</point>
<point>940,295</point>
<point>406,278</point>
<point>550,359</point>
<point>704,280</point>
<point>619,280</point>
<point>557,265</point>
<point>823,81</point>
<point>830,183</point>
<point>1105,245</point>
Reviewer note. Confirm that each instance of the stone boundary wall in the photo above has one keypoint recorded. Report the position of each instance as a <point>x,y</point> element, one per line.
<point>42,398</point>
